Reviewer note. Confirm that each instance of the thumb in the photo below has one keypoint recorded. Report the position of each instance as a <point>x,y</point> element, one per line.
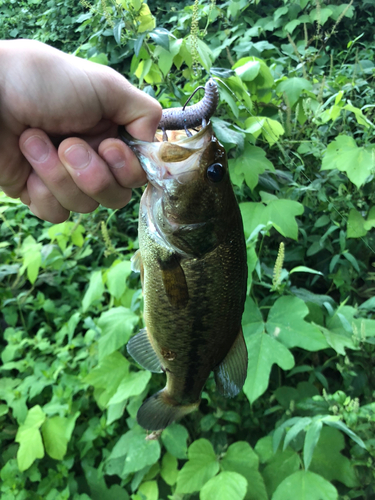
<point>124,104</point>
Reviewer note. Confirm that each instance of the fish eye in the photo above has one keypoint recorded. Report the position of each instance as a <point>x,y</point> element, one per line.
<point>215,172</point>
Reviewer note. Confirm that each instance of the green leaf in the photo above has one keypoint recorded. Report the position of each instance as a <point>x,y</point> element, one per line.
<point>293,88</point>
<point>149,490</point>
<point>56,432</point>
<point>311,440</point>
<point>304,269</point>
<point>201,466</point>
<point>356,225</point>
<point>252,319</point>
<point>226,135</point>
<point>344,154</point>
<point>334,421</point>
<point>264,79</point>
<point>32,258</point>
<point>174,438</point>
<point>133,385</point>
<point>161,37</point>
<point>135,451</point>
<point>100,59</point>
<point>117,31</point>
<point>321,15</point>
<point>241,458</point>
<point>116,325</point>
<point>116,278</point>
<point>270,129</point>
<point>95,290</point>
<point>146,21</point>
<point>329,462</point>
<point>305,485</point>
<point>285,322</point>
<point>263,351</point>
<point>248,71</point>
<point>240,455</point>
<point>250,165</point>
<point>165,61</point>
<point>169,469</point>
<point>107,376</point>
<point>370,222</point>
<point>226,486</point>
<point>29,438</point>
<point>280,213</point>
<point>279,465</point>
<point>205,54</point>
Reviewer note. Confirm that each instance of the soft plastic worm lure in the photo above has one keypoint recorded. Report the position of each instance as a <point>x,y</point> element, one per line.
<point>192,116</point>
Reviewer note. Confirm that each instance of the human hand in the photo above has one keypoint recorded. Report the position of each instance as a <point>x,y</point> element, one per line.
<point>59,116</point>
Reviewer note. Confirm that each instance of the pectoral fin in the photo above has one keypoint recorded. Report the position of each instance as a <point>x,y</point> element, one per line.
<point>141,350</point>
<point>230,375</point>
<point>137,264</point>
<point>174,282</point>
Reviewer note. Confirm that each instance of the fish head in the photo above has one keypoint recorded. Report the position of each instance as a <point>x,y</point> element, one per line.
<point>189,195</point>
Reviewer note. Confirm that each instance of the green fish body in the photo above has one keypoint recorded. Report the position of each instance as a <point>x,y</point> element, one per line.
<point>192,259</point>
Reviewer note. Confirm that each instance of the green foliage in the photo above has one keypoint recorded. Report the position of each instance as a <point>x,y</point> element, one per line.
<point>296,117</point>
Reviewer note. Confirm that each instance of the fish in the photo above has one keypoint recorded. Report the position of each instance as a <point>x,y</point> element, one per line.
<point>192,261</point>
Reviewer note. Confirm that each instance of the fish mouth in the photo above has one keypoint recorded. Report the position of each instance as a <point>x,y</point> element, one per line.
<point>165,160</point>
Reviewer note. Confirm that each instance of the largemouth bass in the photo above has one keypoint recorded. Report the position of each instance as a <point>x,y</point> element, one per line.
<point>192,260</point>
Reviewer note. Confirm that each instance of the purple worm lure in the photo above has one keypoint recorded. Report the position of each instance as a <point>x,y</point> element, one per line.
<point>192,116</point>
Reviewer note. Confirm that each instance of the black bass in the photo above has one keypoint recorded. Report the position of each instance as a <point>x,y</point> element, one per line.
<point>192,259</point>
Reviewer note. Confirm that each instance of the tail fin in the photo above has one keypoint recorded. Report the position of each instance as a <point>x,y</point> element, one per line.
<point>160,410</point>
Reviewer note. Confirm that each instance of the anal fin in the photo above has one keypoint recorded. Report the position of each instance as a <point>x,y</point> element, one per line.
<point>160,410</point>
<point>230,375</point>
<point>141,350</point>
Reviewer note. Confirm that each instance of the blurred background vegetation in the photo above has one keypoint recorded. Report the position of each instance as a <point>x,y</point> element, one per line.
<point>296,116</point>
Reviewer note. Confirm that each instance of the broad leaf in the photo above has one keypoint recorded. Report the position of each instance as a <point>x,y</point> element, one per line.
<point>279,465</point>
<point>56,433</point>
<point>226,486</point>
<point>280,213</point>
<point>201,466</point>
<point>149,490</point>
<point>344,154</point>
<point>94,291</point>
<point>248,71</point>
<point>116,325</point>
<point>305,485</point>
<point>241,458</point>
<point>250,165</point>
<point>135,451</point>
<point>356,225</point>
<point>293,88</point>
<point>174,438</point>
<point>29,438</point>
<point>133,385</point>
<point>169,469</point>
<point>116,278</point>
<point>285,322</point>
<point>107,376</point>
<point>240,455</point>
<point>329,462</point>
<point>263,351</point>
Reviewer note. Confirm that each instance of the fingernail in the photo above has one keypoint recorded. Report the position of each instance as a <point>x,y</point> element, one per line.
<point>77,156</point>
<point>36,148</point>
<point>114,157</point>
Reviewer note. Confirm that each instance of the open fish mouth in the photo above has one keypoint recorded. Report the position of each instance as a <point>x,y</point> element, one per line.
<point>176,159</point>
